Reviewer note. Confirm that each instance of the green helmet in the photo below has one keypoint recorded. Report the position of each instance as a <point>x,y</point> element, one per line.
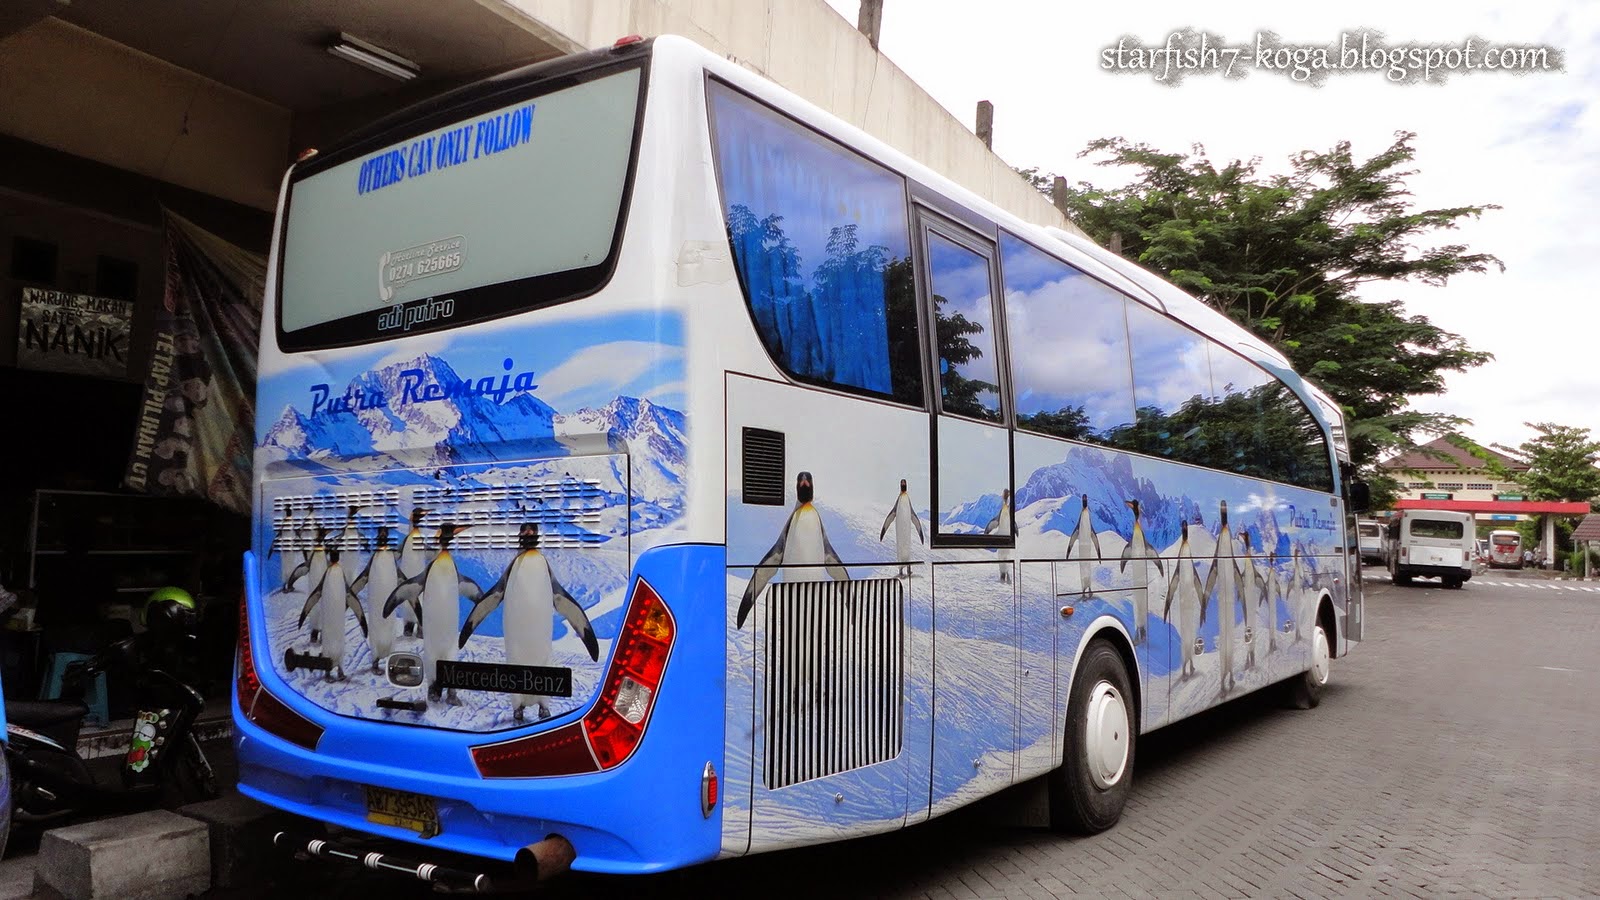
<point>168,606</point>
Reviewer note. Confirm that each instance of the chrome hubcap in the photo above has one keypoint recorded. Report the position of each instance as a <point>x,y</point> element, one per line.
<point>1107,735</point>
<point>1319,656</point>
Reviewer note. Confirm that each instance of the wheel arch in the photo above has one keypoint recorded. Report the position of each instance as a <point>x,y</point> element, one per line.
<point>1110,629</point>
<point>1329,622</point>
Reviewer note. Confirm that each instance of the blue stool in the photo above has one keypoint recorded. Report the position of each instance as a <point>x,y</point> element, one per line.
<point>94,694</point>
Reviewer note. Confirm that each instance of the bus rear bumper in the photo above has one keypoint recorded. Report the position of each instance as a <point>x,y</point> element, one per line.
<point>642,816</point>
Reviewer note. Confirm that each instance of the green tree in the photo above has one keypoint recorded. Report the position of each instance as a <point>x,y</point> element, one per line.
<point>1561,462</point>
<point>1287,255</point>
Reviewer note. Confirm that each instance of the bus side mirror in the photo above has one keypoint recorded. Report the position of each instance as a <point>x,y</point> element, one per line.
<point>1360,496</point>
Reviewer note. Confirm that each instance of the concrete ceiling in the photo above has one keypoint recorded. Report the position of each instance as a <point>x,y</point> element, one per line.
<point>277,49</point>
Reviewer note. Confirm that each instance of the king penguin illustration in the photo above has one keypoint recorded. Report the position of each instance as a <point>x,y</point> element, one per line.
<point>904,519</point>
<point>1257,593</point>
<point>1299,593</point>
<point>314,567</point>
<point>336,589</point>
<point>1185,594</point>
<point>802,550</point>
<point>379,579</point>
<point>289,538</point>
<point>1224,579</point>
<point>1001,525</point>
<point>438,590</point>
<point>532,596</point>
<point>1138,548</point>
<point>413,562</point>
<point>1084,540</point>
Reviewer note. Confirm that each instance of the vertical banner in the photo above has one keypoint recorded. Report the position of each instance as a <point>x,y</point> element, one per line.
<point>73,333</point>
<point>196,427</point>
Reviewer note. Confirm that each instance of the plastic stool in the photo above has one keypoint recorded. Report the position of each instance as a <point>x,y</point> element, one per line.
<point>94,694</point>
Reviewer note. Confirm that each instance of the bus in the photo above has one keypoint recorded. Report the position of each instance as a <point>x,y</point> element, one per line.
<point>1505,549</point>
<point>652,468</point>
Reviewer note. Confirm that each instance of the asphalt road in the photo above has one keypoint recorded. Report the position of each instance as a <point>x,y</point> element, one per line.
<point>1456,752</point>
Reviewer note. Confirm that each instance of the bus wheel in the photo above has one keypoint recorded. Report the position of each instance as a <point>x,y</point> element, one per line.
<point>1304,691</point>
<point>1088,791</point>
<point>1402,580</point>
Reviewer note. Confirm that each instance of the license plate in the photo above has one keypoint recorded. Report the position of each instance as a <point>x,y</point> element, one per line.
<point>403,809</point>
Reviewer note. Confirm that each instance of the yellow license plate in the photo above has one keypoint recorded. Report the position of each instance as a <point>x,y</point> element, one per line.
<point>403,809</point>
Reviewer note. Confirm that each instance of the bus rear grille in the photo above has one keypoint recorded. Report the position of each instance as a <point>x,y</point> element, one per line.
<point>567,510</point>
<point>835,652</point>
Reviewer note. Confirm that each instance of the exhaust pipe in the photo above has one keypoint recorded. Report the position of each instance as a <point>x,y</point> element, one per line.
<point>545,859</point>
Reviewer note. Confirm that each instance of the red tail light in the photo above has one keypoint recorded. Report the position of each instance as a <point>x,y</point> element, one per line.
<point>259,706</point>
<point>608,734</point>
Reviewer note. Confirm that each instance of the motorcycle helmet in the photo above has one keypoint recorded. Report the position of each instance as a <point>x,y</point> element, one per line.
<point>169,609</point>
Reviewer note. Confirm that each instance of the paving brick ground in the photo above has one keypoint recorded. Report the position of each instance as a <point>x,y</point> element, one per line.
<point>1455,754</point>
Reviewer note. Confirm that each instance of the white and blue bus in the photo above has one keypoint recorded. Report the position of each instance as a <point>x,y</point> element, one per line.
<point>653,468</point>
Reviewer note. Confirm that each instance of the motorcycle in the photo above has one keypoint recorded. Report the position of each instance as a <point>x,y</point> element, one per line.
<point>164,765</point>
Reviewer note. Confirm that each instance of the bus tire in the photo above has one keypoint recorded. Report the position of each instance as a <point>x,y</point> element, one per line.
<point>1402,580</point>
<point>1089,789</point>
<point>1304,691</point>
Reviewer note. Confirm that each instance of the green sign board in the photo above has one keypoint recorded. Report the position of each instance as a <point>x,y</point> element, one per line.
<point>1511,496</point>
<point>1435,495</point>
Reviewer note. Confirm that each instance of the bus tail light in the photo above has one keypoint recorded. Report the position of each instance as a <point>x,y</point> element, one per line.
<point>608,734</point>
<point>258,704</point>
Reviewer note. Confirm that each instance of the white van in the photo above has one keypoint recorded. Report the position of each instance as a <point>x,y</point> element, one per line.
<point>1371,537</point>
<point>1432,543</point>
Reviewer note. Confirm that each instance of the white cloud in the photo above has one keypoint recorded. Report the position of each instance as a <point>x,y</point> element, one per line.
<point>1528,143</point>
<point>602,368</point>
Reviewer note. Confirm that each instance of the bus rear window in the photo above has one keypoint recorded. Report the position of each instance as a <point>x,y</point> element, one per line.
<point>508,208</point>
<point>1505,540</point>
<point>1432,528</point>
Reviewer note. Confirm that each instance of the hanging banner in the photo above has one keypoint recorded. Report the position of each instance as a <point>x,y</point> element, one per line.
<point>74,333</point>
<point>196,428</point>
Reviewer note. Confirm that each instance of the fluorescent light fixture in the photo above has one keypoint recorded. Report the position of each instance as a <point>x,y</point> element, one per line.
<point>375,58</point>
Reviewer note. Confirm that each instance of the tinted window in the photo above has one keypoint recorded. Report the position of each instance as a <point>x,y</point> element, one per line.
<point>822,243</point>
<point>963,305</point>
<point>1294,449</point>
<point>1069,347</point>
<point>1237,435</point>
<point>1432,528</point>
<point>1171,388</point>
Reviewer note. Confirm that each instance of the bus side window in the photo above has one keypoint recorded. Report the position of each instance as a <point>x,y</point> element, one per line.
<point>821,239</point>
<point>1171,387</point>
<point>1069,347</point>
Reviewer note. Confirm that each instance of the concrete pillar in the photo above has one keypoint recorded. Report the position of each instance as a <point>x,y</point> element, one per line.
<point>1116,242</point>
<point>1058,194</point>
<point>1549,541</point>
<point>870,20</point>
<point>986,123</point>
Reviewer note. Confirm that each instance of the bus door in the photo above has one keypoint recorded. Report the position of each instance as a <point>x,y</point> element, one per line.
<point>974,575</point>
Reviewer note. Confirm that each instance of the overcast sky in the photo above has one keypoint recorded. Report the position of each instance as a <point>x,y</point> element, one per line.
<point>1528,143</point>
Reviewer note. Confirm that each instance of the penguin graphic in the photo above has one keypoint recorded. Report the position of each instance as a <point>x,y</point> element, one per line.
<point>1001,525</point>
<point>283,542</point>
<point>340,599</point>
<point>379,578</point>
<point>1084,540</point>
<point>1224,578</point>
<point>413,562</point>
<point>802,545</point>
<point>438,589</point>
<point>1257,593</point>
<point>1299,588</point>
<point>315,566</point>
<point>904,519</point>
<point>1138,548</point>
<point>531,595</point>
<point>1184,593</point>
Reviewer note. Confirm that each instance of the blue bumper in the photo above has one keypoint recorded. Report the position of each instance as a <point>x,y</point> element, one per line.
<point>642,816</point>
